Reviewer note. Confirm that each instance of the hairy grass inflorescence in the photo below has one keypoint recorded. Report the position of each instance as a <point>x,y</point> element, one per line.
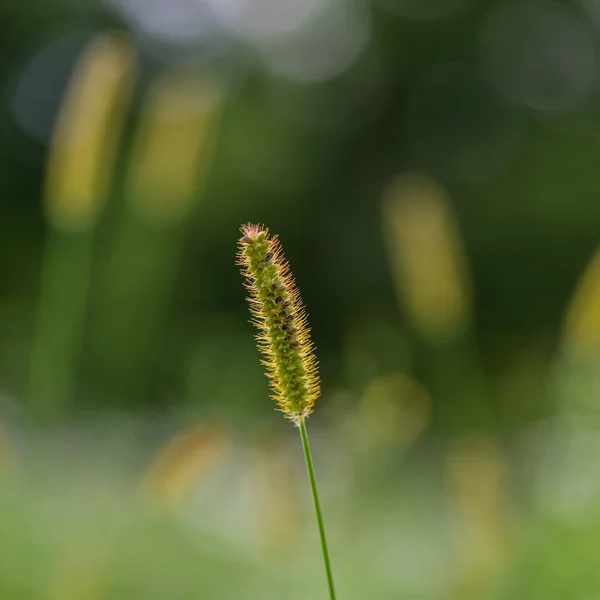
<point>285,343</point>
<point>280,317</point>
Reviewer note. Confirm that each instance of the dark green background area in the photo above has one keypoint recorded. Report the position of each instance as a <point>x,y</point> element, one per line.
<point>316,158</point>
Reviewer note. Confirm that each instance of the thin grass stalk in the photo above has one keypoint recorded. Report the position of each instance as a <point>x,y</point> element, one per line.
<point>319,515</point>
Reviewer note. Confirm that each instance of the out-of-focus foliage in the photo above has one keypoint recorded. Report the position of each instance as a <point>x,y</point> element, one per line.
<point>431,167</point>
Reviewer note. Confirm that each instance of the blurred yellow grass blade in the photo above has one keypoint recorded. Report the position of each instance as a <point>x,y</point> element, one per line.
<point>175,131</point>
<point>581,331</point>
<point>87,133</point>
<point>79,172</point>
<point>477,485</point>
<point>426,257</point>
<point>181,461</point>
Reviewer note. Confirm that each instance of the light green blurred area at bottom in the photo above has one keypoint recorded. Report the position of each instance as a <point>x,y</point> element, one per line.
<point>78,525</point>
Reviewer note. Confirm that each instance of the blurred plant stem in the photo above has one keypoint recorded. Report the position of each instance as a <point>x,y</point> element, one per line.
<point>60,322</point>
<point>477,480</point>
<point>315,495</point>
<point>169,160</point>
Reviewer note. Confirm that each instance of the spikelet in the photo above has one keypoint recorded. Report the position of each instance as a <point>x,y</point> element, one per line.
<point>278,313</point>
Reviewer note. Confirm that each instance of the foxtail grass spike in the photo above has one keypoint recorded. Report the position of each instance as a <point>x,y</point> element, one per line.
<point>285,343</point>
<point>280,317</point>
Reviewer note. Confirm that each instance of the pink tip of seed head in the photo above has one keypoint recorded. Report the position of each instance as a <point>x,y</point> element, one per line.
<point>251,232</point>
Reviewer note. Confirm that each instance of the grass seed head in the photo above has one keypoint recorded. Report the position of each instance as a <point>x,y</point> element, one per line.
<point>278,313</point>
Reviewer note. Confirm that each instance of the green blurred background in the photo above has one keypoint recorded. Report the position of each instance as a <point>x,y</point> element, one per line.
<point>431,168</point>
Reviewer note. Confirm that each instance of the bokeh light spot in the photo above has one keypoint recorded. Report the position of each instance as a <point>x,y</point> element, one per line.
<point>322,47</point>
<point>538,53</point>
<point>40,84</point>
<point>396,408</point>
<point>170,28</point>
<point>424,10</point>
<point>257,19</point>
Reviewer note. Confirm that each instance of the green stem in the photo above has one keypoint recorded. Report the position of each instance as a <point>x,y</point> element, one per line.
<point>315,495</point>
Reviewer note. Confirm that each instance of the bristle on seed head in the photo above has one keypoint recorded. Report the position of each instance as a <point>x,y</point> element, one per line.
<point>278,313</point>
